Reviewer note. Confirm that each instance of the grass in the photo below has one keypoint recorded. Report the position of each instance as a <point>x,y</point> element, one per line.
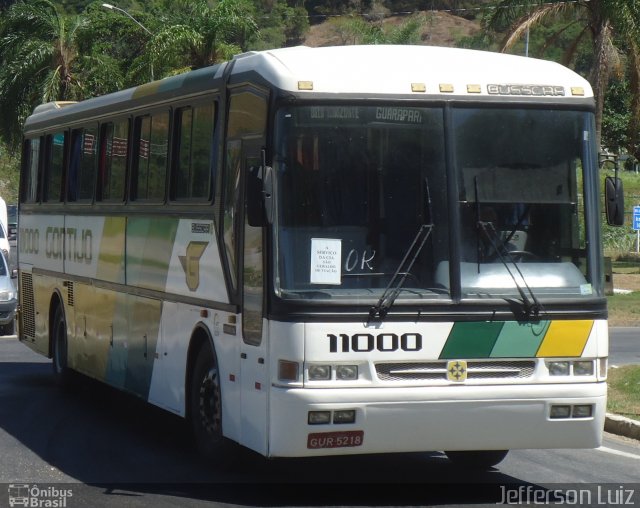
<point>624,310</point>
<point>624,391</point>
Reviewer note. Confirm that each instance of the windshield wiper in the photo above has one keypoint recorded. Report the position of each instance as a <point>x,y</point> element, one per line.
<point>530,309</point>
<point>392,290</point>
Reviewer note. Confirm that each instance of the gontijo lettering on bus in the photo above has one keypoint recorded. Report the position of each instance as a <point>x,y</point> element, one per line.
<point>76,243</point>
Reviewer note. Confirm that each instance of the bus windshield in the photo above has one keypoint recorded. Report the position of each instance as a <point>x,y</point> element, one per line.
<point>520,182</point>
<point>356,184</point>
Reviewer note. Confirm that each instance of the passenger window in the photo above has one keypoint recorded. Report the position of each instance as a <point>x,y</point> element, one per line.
<point>151,157</point>
<point>31,170</point>
<point>82,164</point>
<point>54,167</point>
<point>192,167</point>
<point>114,148</point>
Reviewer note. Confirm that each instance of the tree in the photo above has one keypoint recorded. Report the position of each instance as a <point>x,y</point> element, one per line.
<point>601,22</point>
<point>197,35</point>
<point>357,30</point>
<point>38,55</point>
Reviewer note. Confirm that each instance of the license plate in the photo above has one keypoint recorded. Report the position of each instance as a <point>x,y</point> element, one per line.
<point>343,439</point>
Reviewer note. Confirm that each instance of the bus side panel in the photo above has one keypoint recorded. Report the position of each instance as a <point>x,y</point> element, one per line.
<point>168,388</point>
<point>41,241</point>
<point>195,269</point>
<point>169,365</point>
<point>41,245</point>
<point>144,332</point>
<point>150,242</point>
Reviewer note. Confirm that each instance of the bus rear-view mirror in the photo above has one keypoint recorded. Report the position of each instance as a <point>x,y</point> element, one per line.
<point>614,201</point>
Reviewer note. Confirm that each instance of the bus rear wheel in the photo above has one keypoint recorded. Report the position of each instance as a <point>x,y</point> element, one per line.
<point>477,459</point>
<point>61,369</point>
<point>206,405</point>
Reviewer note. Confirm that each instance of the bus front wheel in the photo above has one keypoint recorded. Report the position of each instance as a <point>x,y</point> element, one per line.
<point>206,405</point>
<point>477,459</point>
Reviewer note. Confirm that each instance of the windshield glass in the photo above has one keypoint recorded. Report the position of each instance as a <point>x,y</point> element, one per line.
<point>355,185</point>
<point>358,187</point>
<point>520,179</point>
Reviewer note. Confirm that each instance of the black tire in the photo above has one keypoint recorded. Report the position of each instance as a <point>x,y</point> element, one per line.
<point>206,406</point>
<point>477,459</point>
<point>59,349</point>
<point>6,329</point>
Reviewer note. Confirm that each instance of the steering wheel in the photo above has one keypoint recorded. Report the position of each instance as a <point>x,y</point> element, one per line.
<point>521,255</point>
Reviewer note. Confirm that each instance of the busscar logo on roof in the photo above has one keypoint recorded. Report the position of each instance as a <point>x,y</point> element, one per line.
<point>532,90</point>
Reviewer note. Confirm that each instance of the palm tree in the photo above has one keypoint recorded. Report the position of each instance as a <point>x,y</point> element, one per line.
<point>601,22</point>
<point>38,56</point>
<point>197,35</point>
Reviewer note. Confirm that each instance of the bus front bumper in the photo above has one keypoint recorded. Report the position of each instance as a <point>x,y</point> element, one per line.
<point>436,419</point>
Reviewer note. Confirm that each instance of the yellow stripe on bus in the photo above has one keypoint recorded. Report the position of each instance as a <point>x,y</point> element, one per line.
<point>565,338</point>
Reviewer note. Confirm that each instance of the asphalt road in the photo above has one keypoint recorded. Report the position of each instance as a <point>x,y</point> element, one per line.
<point>624,346</point>
<point>109,449</point>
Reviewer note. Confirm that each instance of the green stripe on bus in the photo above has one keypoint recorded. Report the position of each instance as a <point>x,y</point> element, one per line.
<point>149,247</point>
<point>471,340</point>
<point>519,340</point>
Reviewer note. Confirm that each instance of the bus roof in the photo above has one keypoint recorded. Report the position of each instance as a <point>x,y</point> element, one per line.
<point>393,69</point>
<point>379,70</point>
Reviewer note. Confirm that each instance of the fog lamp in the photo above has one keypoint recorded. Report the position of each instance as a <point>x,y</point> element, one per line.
<point>319,417</point>
<point>347,372</point>
<point>557,411</point>
<point>558,368</point>
<point>583,368</point>
<point>582,411</point>
<point>319,372</point>
<point>344,416</point>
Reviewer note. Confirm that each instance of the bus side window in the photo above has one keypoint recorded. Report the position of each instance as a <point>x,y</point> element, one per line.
<point>31,171</point>
<point>192,167</point>
<point>82,164</point>
<point>150,157</point>
<point>54,167</point>
<point>112,164</point>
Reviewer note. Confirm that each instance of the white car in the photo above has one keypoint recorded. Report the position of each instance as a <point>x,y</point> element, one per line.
<point>4,242</point>
<point>8,297</point>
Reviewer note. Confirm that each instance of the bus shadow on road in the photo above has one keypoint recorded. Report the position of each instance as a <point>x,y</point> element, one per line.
<point>123,446</point>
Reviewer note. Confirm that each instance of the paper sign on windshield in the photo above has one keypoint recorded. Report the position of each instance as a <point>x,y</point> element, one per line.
<point>326,258</point>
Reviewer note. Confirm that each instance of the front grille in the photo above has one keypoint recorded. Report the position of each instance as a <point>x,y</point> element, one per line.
<point>437,371</point>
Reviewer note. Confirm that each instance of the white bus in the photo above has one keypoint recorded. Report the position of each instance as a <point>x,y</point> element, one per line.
<point>329,251</point>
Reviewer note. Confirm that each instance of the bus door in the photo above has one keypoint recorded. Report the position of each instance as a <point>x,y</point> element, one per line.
<point>244,258</point>
<point>253,360</point>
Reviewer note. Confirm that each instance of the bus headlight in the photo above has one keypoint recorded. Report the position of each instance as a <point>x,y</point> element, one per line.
<point>558,368</point>
<point>319,372</point>
<point>583,368</point>
<point>347,372</point>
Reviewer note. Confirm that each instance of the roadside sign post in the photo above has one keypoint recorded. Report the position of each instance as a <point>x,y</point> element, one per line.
<point>636,226</point>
